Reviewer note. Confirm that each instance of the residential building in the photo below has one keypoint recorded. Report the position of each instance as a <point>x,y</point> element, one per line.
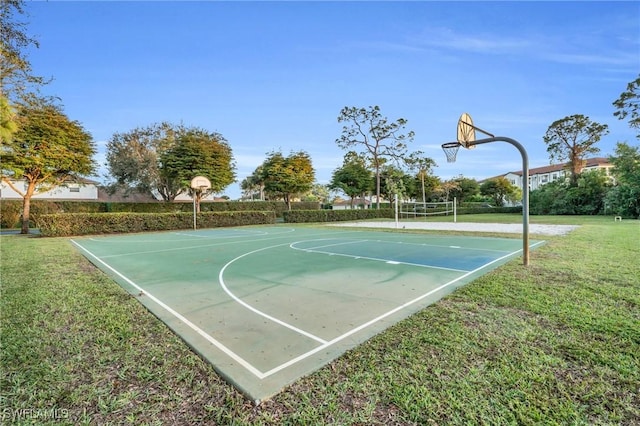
<point>77,190</point>
<point>539,176</point>
<point>88,190</point>
<point>358,203</point>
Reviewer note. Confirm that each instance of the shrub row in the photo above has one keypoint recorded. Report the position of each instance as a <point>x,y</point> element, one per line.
<point>10,210</point>
<point>305,216</point>
<point>68,224</point>
<point>480,210</point>
<point>218,206</point>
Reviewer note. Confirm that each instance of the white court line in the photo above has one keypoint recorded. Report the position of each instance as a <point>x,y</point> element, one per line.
<point>240,233</point>
<point>408,244</point>
<point>383,316</point>
<point>442,246</point>
<point>324,345</point>
<point>257,311</point>
<point>331,245</point>
<point>120,240</point>
<point>224,243</point>
<point>377,259</point>
<point>184,320</point>
<point>195,235</point>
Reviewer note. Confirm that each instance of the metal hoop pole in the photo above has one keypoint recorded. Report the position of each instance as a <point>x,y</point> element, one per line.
<point>525,190</point>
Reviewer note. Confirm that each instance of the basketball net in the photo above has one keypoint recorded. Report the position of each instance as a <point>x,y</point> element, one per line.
<point>451,150</point>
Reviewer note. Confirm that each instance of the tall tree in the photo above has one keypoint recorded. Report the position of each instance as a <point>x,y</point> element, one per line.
<point>378,138</point>
<point>47,150</point>
<point>571,140</point>
<point>395,182</point>
<point>467,188</point>
<point>146,159</point>
<point>446,188</point>
<point>624,198</point>
<point>197,152</point>
<point>423,165</point>
<point>253,184</point>
<point>318,193</point>
<point>353,178</point>
<point>628,105</point>
<point>133,160</point>
<point>286,177</point>
<point>8,125</point>
<point>15,69</point>
<point>432,183</point>
<point>500,190</point>
<point>16,75</point>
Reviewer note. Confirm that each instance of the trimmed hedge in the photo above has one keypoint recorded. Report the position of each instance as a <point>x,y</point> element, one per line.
<point>68,224</point>
<point>481,210</point>
<point>10,210</point>
<point>217,206</point>
<point>305,216</point>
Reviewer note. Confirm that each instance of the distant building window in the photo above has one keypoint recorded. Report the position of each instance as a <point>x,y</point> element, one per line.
<point>74,189</point>
<point>544,178</point>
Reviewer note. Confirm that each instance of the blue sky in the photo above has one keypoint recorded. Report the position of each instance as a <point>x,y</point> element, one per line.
<point>275,75</point>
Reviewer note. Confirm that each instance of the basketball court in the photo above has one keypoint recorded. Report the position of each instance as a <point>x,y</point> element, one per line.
<point>267,305</point>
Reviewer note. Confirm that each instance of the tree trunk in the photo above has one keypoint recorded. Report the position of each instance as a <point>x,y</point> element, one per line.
<point>378,187</point>
<point>26,207</point>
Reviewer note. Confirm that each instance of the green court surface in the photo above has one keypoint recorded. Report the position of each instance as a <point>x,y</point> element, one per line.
<point>267,305</point>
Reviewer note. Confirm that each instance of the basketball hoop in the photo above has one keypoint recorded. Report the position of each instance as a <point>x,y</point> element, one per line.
<point>451,150</point>
<point>200,183</point>
<point>466,131</point>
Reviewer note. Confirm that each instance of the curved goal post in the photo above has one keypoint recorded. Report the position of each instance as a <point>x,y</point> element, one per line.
<point>467,137</point>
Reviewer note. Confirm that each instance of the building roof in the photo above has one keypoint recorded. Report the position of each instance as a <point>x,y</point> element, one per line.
<point>356,201</point>
<point>590,162</point>
<point>121,196</point>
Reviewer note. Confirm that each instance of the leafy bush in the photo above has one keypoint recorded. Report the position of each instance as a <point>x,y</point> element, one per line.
<point>68,224</point>
<point>481,210</point>
<point>305,216</point>
<point>10,210</point>
<point>586,197</point>
<point>624,200</point>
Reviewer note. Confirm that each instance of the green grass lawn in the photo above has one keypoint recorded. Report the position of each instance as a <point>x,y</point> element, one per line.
<point>557,342</point>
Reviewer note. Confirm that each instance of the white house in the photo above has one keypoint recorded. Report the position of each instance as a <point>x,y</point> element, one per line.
<point>86,190</point>
<point>539,176</point>
<point>184,197</point>
<point>78,190</point>
<point>358,203</point>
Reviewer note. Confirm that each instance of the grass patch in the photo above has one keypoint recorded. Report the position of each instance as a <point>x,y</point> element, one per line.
<point>555,343</point>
